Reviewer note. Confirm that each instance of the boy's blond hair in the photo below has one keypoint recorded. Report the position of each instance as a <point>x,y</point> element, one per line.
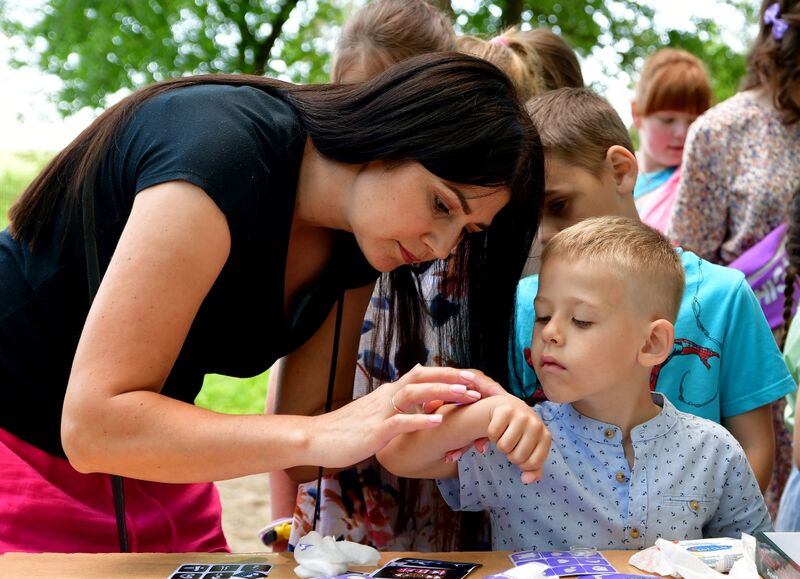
<point>386,32</point>
<point>635,252</point>
<point>521,64</point>
<point>578,127</point>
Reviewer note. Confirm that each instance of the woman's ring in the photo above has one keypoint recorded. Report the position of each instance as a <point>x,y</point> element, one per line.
<point>396,409</point>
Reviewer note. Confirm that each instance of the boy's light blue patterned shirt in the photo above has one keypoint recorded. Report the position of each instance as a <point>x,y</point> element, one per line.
<point>690,480</point>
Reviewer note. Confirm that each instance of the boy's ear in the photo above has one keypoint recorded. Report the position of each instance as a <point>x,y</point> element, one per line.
<point>637,119</point>
<point>658,343</point>
<point>624,167</point>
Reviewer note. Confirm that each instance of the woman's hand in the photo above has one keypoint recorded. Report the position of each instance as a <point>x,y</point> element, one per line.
<point>363,427</point>
<point>477,381</point>
<point>512,425</point>
<point>487,387</point>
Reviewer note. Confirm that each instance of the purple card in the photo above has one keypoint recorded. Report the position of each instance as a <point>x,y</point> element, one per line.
<point>565,563</point>
<point>581,569</point>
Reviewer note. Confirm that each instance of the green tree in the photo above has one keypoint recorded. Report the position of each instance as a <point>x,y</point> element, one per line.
<point>98,46</point>
<point>622,28</point>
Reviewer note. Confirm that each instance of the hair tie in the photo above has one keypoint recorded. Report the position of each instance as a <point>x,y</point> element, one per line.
<point>499,40</point>
<point>772,15</point>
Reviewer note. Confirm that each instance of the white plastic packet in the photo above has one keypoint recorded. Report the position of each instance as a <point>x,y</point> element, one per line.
<point>700,558</point>
<point>532,570</point>
<point>319,556</point>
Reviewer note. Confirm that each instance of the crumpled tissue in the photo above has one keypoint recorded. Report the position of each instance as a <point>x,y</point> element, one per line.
<point>667,558</point>
<point>319,556</point>
<point>532,570</point>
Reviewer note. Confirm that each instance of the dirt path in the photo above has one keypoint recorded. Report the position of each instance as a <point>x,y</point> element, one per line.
<point>245,510</point>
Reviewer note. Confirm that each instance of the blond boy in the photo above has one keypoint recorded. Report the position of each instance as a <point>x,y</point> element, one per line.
<point>624,467</point>
<point>724,364</point>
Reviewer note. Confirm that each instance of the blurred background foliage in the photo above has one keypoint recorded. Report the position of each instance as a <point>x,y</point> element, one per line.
<point>99,47</point>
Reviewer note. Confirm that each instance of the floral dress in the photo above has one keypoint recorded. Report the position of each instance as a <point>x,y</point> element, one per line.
<point>362,504</point>
<point>740,167</point>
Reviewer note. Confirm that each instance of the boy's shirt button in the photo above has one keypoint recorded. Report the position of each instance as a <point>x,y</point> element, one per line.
<point>694,505</point>
<point>635,534</point>
<point>620,476</point>
<point>609,433</point>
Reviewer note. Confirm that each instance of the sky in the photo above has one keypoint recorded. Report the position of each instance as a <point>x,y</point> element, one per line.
<point>28,120</point>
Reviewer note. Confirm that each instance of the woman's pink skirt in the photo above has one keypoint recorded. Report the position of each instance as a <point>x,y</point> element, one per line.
<point>48,506</point>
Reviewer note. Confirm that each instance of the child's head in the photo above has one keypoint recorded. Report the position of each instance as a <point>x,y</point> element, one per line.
<point>590,165</point>
<point>512,57</point>
<point>609,292</point>
<point>673,90</point>
<point>559,64</point>
<point>773,63</point>
<point>384,32</point>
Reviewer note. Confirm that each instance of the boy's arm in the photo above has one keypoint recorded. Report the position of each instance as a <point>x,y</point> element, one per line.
<point>506,420</point>
<point>421,454</point>
<point>754,432</point>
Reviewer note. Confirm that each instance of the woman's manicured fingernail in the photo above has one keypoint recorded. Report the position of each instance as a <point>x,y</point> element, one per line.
<point>467,375</point>
<point>435,418</point>
<point>458,388</point>
<point>473,394</point>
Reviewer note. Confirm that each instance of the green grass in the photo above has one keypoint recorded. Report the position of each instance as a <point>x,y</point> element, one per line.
<point>17,170</point>
<point>220,393</point>
<point>234,395</point>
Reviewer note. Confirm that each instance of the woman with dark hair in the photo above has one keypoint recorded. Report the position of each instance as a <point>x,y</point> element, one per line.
<point>228,215</point>
<point>367,504</point>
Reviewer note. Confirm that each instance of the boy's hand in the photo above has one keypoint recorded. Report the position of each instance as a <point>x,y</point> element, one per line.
<point>519,433</point>
<point>480,445</point>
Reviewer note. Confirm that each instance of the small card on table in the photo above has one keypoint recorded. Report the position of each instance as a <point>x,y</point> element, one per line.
<point>221,571</point>
<point>412,567</point>
<point>565,563</point>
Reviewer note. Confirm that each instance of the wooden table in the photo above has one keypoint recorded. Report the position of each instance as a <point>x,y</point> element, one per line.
<point>161,566</point>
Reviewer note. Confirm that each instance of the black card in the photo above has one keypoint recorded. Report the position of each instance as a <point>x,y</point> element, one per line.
<point>420,568</point>
<point>221,571</point>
